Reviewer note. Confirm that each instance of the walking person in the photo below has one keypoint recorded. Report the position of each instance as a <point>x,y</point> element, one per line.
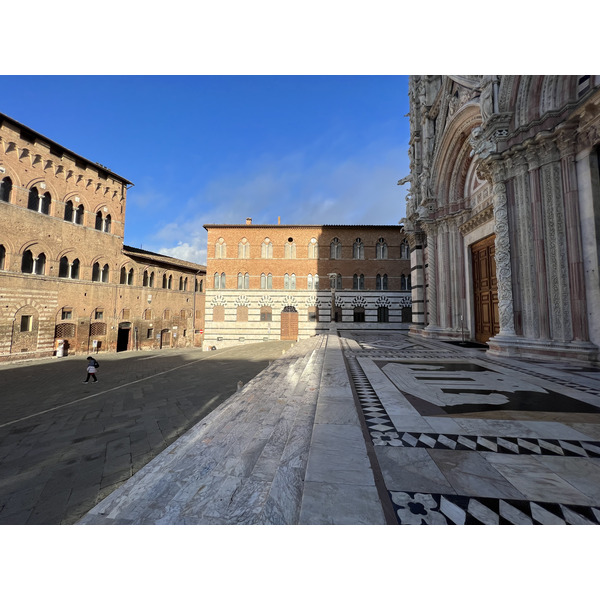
<point>91,369</point>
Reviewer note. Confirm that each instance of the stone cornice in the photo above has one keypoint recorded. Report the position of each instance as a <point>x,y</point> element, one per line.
<point>485,215</point>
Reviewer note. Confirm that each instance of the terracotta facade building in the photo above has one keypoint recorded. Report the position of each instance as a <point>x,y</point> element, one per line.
<point>503,212</point>
<point>67,282</point>
<point>267,282</point>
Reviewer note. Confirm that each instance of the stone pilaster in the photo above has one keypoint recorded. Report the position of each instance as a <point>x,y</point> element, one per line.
<point>416,241</point>
<point>567,148</point>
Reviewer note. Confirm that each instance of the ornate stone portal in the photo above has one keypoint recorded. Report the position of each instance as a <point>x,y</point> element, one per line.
<point>516,157</point>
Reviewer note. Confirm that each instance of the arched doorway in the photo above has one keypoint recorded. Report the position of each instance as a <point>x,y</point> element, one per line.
<point>123,336</point>
<point>485,289</point>
<point>289,324</point>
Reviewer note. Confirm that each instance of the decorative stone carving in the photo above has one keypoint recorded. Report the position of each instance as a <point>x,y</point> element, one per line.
<point>503,266</point>
<point>219,300</point>
<point>241,301</point>
<point>265,301</point>
<point>359,301</point>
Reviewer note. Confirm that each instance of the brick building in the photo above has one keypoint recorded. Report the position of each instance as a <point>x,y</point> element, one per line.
<point>268,282</point>
<point>64,271</point>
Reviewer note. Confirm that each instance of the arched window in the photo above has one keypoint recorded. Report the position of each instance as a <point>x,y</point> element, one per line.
<point>223,281</point>
<point>220,249</point>
<point>286,282</point>
<point>98,224</point>
<point>27,262</point>
<point>170,282</point>
<point>40,264</point>
<point>405,283</point>
<point>130,277</point>
<point>263,281</point>
<point>63,267</point>
<point>293,282</point>
<point>185,284</point>
<point>217,281</point>
<point>313,248</point>
<point>107,224</point>
<point>2,256</point>
<point>316,282</point>
<point>180,284</point>
<point>290,248</point>
<point>46,201</point>
<point>335,282</point>
<point>69,211</point>
<point>244,249</point>
<point>404,250</point>
<point>358,282</point>
<point>105,273</point>
<point>5,189</point>
<point>79,215</point>
<point>240,282</point>
<point>381,249</point>
<point>335,248</point>
<point>358,249</point>
<point>164,284</point>
<point>33,202</point>
<point>151,280</point>
<point>269,281</point>
<point>96,272</point>
<point>75,269</point>
<point>145,279</point>
<point>123,277</point>
<point>381,282</point>
<point>266,313</point>
<point>266,249</point>
<point>309,282</point>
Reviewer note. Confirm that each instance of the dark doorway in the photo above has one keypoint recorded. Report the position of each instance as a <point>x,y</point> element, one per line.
<point>123,337</point>
<point>165,339</point>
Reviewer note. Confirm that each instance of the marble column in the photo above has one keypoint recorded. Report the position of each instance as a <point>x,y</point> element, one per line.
<point>539,253</point>
<point>432,303</point>
<point>525,256</point>
<point>416,241</point>
<point>566,144</point>
<point>502,244</point>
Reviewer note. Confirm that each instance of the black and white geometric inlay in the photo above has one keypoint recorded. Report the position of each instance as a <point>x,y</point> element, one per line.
<point>415,508</point>
<point>487,443</point>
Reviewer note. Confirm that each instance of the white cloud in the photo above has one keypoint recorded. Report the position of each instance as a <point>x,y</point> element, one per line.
<point>186,251</point>
<point>299,188</point>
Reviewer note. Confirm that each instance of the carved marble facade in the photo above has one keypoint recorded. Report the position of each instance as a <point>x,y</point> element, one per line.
<point>514,159</point>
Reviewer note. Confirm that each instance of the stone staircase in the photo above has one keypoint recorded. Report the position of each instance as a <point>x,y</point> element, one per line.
<point>243,464</point>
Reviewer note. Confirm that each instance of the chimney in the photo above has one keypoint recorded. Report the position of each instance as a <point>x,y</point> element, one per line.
<point>249,221</point>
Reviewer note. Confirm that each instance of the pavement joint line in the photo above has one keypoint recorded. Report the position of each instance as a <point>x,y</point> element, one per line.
<point>43,412</point>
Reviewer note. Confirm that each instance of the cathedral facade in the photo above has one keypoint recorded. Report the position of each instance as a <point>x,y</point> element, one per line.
<point>503,212</point>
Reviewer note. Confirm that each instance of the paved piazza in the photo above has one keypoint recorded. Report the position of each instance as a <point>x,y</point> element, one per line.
<point>464,439</point>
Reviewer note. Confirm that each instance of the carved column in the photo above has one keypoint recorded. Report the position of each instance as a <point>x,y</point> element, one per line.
<point>432,320</point>
<point>502,243</point>
<point>567,146</point>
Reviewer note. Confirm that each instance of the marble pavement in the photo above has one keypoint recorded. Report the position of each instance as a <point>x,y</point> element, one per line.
<point>380,428</point>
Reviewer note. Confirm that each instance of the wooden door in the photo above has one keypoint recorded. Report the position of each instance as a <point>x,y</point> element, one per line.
<point>485,289</point>
<point>289,324</point>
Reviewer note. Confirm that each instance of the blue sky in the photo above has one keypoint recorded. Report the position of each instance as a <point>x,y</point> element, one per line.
<point>218,149</point>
